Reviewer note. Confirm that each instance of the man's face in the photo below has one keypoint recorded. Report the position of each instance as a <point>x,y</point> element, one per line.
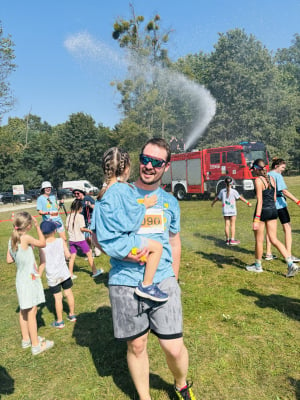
<point>150,175</point>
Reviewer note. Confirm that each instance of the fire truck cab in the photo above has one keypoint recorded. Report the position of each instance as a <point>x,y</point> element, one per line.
<point>203,172</point>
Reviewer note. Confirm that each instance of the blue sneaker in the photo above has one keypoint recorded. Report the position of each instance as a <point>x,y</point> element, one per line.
<point>151,292</point>
<point>58,325</point>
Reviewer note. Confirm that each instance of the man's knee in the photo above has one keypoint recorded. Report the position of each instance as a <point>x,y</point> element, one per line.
<point>173,348</point>
<point>137,346</point>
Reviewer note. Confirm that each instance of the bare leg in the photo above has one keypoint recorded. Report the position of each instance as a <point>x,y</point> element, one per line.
<point>70,299</point>
<point>177,359</point>
<point>71,263</point>
<point>91,261</point>
<point>227,225</point>
<point>32,326</point>
<point>138,364</point>
<point>259,241</point>
<point>155,252</point>
<point>287,228</point>
<point>269,245</point>
<point>23,318</point>
<point>232,226</point>
<point>58,306</point>
<point>272,232</point>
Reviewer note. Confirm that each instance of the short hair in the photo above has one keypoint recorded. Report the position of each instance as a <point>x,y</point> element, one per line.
<point>159,142</point>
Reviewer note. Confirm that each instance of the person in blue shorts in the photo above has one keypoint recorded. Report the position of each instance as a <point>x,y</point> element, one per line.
<point>48,208</point>
<point>277,168</point>
<point>135,317</point>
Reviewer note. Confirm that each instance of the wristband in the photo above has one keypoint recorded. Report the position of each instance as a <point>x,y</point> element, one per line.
<point>256,220</point>
<point>247,203</point>
<point>257,216</point>
<point>298,202</point>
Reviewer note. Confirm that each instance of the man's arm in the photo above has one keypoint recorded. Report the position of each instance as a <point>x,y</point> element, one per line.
<point>175,243</point>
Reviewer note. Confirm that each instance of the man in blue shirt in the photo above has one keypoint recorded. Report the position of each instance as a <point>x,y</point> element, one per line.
<point>133,317</point>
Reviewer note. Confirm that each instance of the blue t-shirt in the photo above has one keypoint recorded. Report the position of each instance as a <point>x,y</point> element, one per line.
<point>280,186</point>
<point>130,273</point>
<point>48,204</point>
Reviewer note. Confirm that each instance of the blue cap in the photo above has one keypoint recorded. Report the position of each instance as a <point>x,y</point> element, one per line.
<point>49,226</point>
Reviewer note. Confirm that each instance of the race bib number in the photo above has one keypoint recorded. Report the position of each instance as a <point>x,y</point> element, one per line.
<point>153,222</point>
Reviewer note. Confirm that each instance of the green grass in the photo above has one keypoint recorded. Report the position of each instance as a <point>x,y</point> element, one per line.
<point>241,329</point>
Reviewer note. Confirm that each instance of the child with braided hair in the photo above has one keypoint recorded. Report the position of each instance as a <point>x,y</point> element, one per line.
<point>118,218</point>
<point>266,214</point>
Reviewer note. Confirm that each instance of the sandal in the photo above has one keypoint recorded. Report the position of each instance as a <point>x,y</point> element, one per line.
<point>48,344</point>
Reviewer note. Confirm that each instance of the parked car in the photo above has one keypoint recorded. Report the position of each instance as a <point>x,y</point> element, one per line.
<point>64,193</point>
<point>34,193</point>
<point>7,197</point>
<point>22,198</point>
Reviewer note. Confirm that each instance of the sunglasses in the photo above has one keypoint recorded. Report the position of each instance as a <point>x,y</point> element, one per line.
<point>259,167</point>
<point>76,193</point>
<point>155,162</point>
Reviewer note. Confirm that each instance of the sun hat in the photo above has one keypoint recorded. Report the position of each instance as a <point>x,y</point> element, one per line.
<point>78,190</point>
<point>46,184</point>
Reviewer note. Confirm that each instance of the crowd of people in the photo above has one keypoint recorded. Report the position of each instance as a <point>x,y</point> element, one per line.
<point>138,226</point>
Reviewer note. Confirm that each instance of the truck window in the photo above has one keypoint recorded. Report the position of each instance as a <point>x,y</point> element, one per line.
<point>215,158</point>
<point>223,158</point>
<point>234,157</point>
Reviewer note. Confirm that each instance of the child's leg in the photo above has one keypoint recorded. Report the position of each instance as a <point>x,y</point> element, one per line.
<point>232,226</point>
<point>32,325</point>
<point>155,252</point>
<point>71,263</point>
<point>23,318</point>
<point>227,225</point>
<point>58,306</point>
<point>89,255</point>
<point>70,300</point>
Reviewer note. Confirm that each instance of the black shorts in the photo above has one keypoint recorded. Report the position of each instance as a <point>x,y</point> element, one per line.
<point>283,215</point>
<point>268,214</point>
<point>67,284</point>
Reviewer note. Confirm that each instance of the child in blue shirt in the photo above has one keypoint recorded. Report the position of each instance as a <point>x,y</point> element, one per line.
<point>121,217</point>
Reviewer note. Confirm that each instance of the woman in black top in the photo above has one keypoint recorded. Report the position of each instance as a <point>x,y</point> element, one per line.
<point>266,214</point>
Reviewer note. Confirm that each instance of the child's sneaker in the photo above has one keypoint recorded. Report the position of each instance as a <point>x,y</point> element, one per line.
<point>254,268</point>
<point>270,257</point>
<point>227,242</point>
<point>292,270</point>
<point>97,273</point>
<point>151,292</point>
<point>295,259</point>
<point>72,318</point>
<point>234,242</point>
<point>58,325</point>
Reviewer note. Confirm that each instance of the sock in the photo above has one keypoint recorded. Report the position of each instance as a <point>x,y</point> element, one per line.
<point>258,263</point>
<point>289,261</point>
<point>183,387</point>
<point>145,286</point>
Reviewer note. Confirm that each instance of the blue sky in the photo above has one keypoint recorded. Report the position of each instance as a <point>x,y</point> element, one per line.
<point>53,82</point>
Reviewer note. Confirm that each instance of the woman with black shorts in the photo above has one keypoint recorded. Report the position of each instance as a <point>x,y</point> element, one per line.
<point>266,214</point>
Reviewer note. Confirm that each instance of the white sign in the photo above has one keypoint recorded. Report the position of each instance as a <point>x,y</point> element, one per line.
<point>18,189</point>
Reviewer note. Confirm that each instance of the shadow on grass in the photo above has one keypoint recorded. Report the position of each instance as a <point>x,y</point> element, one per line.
<point>296,384</point>
<point>221,260</point>
<point>6,382</point>
<point>287,305</point>
<point>95,331</point>
<point>221,243</point>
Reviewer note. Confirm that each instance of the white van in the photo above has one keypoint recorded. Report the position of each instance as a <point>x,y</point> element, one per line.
<point>82,184</point>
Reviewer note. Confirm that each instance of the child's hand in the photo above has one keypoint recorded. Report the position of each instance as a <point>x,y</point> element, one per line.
<point>36,224</point>
<point>150,201</point>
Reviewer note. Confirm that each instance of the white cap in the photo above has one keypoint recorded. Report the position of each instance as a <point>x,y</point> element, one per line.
<point>46,184</point>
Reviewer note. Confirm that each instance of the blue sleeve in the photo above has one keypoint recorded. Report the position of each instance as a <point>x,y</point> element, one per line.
<point>40,204</point>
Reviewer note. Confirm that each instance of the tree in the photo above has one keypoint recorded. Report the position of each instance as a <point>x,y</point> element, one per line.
<point>7,66</point>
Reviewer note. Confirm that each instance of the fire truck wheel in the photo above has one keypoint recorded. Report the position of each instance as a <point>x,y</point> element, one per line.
<point>180,193</point>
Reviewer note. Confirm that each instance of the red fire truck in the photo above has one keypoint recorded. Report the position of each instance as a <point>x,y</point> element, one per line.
<point>202,172</point>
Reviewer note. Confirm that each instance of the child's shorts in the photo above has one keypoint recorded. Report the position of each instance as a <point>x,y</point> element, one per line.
<point>82,246</point>
<point>67,284</point>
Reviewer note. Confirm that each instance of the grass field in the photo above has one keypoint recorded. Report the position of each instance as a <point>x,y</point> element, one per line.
<point>241,329</point>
